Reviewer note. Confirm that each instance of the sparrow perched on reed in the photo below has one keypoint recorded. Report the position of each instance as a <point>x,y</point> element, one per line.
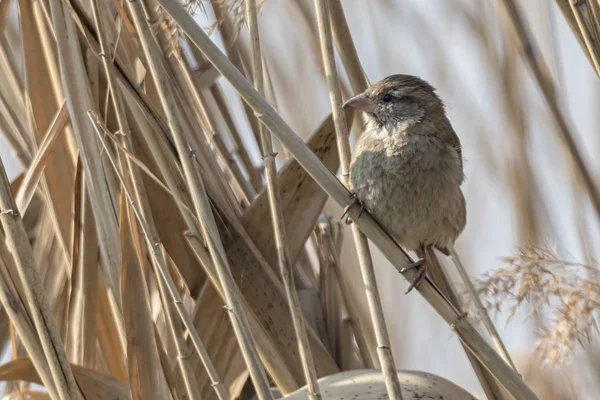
<point>407,166</point>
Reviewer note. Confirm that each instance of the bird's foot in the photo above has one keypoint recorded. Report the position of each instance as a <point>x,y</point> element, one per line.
<point>347,209</point>
<point>421,265</point>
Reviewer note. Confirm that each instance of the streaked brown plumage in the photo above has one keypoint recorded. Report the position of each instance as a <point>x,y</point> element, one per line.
<point>407,166</point>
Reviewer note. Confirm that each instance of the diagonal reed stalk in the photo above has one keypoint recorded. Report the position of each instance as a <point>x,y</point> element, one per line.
<point>384,350</point>
<point>201,204</point>
<point>20,248</point>
<point>19,317</point>
<point>159,263</point>
<point>481,311</point>
<point>283,253</point>
<point>327,180</point>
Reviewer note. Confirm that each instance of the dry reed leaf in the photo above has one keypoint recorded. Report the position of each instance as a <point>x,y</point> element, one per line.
<point>4,5</point>
<point>368,384</point>
<point>84,267</point>
<point>296,188</point>
<point>169,222</point>
<point>302,199</point>
<point>38,163</point>
<point>77,93</point>
<point>93,384</point>
<point>214,327</point>
<point>113,346</point>
<point>146,378</point>
<point>42,107</point>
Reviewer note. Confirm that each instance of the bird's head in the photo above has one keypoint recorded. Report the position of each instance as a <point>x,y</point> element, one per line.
<point>397,102</point>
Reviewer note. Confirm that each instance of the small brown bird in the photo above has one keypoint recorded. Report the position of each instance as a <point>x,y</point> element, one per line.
<point>407,166</point>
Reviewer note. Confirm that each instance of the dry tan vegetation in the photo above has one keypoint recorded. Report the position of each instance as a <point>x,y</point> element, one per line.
<point>147,252</point>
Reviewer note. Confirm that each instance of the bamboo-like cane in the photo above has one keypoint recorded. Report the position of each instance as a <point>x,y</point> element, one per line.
<point>142,199</point>
<point>202,206</point>
<point>285,267</point>
<point>162,270</point>
<point>18,243</point>
<point>384,350</point>
<point>327,180</point>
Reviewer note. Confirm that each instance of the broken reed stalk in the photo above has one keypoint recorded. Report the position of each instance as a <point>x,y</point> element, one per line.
<point>513,22</point>
<point>201,204</point>
<point>384,350</point>
<point>161,268</point>
<point>281,242</point>
<point>481,311</point>
<point>336,190</point>
<point>142,199</point>
<point>21,251</point>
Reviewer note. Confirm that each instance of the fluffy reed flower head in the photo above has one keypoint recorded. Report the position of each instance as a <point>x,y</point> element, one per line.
<point>564,295</point>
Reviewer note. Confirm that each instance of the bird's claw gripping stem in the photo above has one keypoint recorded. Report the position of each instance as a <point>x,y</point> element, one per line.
<point>421,265</point>
<point>347,209</point>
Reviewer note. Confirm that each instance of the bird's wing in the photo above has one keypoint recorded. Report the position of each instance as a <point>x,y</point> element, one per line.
<point>452,140</point>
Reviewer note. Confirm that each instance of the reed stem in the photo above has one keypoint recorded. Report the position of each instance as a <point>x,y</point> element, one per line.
<point>283,254</point>
<point>384,350</point>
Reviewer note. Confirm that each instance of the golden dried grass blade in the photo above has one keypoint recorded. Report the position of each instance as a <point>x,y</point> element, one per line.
<point>36,168</point>
<point>146,378</point>
<point>84,277</point>
<point>77,93</point>
<point>94,385</point>
<point>19,246</point>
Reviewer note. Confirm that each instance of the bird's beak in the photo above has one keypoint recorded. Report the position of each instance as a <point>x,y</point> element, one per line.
<point>361,102</point>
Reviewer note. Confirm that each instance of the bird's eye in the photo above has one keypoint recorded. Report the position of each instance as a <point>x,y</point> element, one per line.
<point>387,98</point>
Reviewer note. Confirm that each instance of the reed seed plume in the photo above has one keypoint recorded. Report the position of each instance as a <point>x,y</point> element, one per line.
<point>564,295</point>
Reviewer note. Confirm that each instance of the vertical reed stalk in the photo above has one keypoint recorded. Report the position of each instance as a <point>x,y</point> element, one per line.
<point>201,204</point>
<point>384,350</point>
<point>285,267</point>
<point>481,311</point>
